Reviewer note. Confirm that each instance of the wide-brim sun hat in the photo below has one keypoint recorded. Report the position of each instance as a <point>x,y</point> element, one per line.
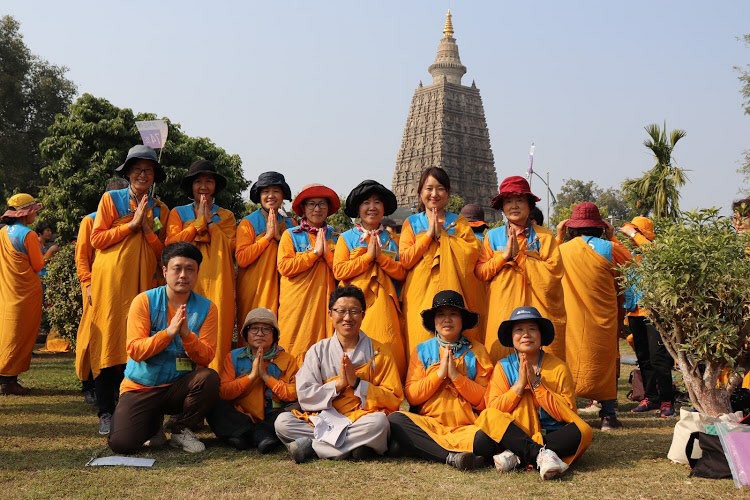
<point>586,214</point>
<point>198,168</point>
<point>525,313</point>
<point>267,179</point>
<point>449,298</point>
<point>316,191</point>
<point>141,152</point>
<point>21,205</point>
<point>263,316</point>
<point>513,185</point>
<point>645,226</point>
<point>364,190</point>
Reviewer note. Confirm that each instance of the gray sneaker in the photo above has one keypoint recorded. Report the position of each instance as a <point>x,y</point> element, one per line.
<point>188,441</point>
<point>105,424</point>
<point>301,450</point>
<point>462,460</point>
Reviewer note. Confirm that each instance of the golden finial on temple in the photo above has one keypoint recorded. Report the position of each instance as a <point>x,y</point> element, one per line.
<point>448,28</point>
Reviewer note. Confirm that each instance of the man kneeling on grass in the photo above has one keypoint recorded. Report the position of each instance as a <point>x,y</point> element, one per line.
<point>171,329</point>
<point>345,386</point>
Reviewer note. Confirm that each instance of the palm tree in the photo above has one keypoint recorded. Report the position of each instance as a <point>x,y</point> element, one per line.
<point>657,191</point>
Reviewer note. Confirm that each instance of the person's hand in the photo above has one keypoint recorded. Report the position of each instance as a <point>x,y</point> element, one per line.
<point>511,248</point>
<point>561,229</point>
<point>628,230</point>
<point>349,372</point>
<point>256,371</point>
<point>523,375</point>
<point>453,372</point>
<point>530,373</point>
<point>178,320</point>
<point>51,251</point>
<point>609,231</point>
<point>373,247</point>
<point>136,224</point>
<point>184,328</point>
<point>206,208</point>
<point>88,293</point>
<point>320,242</point>
<point>272,226</point>
<point>147,225</point>
<point>434,224</point>
<point>341,381</point>
<point>445,354</point>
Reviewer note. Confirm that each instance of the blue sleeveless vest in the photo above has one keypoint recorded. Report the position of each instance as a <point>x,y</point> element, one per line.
<point>187,213</point>
<point>352,236</point>
<point>419,222</point>
<point>302,242</point>
<point>428,353</point>
<point>498,238</point>
<point>17,233</point>
<point>510,366</point>
<point>259,221</point>
<point>162,368</point>
<point>121,199</point>
<point>600,246</point>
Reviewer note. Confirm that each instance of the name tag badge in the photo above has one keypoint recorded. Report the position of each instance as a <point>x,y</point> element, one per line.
<point>184,364</point>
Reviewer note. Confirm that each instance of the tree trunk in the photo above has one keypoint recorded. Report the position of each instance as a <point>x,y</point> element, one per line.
<point>704,395</point>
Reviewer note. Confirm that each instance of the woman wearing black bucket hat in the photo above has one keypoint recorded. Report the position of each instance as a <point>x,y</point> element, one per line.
<point>212,229</point>
<point>446,381</point>
<point>537,390</point>
<point>367,257</point>
<point>128,236</point>
<point>258,238</point>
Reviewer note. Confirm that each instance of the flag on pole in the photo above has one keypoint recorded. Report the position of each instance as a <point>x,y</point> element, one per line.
<point>531,161</point>
<point>153,133</point>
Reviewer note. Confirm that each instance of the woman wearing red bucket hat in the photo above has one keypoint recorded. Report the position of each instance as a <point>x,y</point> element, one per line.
<point>522,263</point>
<point>591,303</point>
<point>439,251</point>
<point>305,260</point>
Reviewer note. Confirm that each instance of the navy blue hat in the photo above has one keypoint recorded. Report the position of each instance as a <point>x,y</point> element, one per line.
<point>267,179</point>
<point>525,313</point>
<point>449,298</point>
<point>141,152</point>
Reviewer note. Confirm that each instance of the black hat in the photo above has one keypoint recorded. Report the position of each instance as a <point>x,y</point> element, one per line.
<point>470,319</point>
<point>505,332</point>
<point>202,167</point>
<point>364,190</point>
<point>267,179</point>
<point>141,152</point>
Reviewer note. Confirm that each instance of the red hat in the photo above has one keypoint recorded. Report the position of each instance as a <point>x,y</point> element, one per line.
<point>316,191</point>
<point>513,185</point>
<point>586,214</point>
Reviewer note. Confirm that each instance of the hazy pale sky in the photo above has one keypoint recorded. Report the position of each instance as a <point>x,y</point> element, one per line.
<point>320,90</point>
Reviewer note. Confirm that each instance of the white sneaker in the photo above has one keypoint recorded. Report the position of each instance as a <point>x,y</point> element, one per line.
<point>158,439</point>
<point>506,461</point>
<point>550,465</point>
<point>592,409</point>
<point>187,441</point>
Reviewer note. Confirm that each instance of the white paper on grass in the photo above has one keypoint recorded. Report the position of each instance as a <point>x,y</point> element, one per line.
<point>121,461</point>
<point>153,133</point>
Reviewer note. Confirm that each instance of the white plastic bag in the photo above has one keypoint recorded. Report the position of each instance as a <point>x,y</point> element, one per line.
<point>693,421</point>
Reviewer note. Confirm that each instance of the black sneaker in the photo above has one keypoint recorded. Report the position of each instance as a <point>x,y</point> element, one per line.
<point>301,450</point>
<point>105,424</point>
<point>362,453</point>
<point>462,461</point>
<point>611,423</point>
<point>267,445</point>
<point>89,397</point>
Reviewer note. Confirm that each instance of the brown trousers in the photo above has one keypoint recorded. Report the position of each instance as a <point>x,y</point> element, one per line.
<point>139,415</point>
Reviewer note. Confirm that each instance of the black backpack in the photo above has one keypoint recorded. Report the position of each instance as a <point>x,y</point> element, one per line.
<point>713,464</point>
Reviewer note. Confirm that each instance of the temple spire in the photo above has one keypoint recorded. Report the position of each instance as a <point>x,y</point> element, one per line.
<point>447,66</point>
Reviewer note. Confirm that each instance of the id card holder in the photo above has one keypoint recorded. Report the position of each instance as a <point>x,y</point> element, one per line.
<point>184,364</point>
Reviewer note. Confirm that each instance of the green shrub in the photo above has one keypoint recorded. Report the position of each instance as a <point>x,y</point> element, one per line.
<point>63,294</point>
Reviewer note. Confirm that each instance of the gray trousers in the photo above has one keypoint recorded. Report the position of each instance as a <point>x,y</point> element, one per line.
<point>371,430</point>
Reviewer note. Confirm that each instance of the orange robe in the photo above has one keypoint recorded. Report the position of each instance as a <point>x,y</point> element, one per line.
<point>591,301</point>
<point>448,408</point>
<point>534,278</point>
<point>20,297</point>
<point>374,278</point>
<point>84,263</point>
<point>258,275</point>
<point>555,394</point>
<point>306,285</point>
<point>125,265</point>
<point>433,266</point>
<point>216,242</point>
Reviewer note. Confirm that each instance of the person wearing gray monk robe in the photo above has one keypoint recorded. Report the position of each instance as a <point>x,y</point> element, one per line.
<point>346,386</point>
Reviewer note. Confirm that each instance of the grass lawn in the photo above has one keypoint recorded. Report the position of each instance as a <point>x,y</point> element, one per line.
<point>47,438</point>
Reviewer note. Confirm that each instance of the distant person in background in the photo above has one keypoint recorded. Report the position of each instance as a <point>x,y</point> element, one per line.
<point>393,228</point>
<point>20,291</point>
<point>84,258</point>
<point>474,213</point>
<point>213,230</point>
<point>536,216</point>
<point>47,244</point>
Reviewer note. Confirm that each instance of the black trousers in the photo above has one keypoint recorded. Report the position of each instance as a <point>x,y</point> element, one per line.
<point>654,360</point>
<point>417,443</point>
<point>139,415</point>
<point>107,387</point>
<point>226,422</point>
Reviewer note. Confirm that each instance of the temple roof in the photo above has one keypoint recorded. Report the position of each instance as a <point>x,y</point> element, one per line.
<point>447,65</point>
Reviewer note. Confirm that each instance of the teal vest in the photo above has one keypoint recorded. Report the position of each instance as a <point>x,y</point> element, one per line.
<point>302,242</point>
<point>428,353</point>
<point>121,199</point>
<point>161,368</point>
<point>17,233</point>
<point>510,366</point>
<point>187,213</point>
<point>259,221</point>
<point>498,238</point>
<point>352,236</point>
<point>419,222</point>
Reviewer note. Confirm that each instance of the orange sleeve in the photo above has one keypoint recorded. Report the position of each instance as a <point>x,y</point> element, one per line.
<point>34,251</point>
<point>473,390</point>
<point>103,235</point>
<point>84,255</point>
<point>391,267</point>
<point>559,399</point>
<point>290,262</point>
<point>225,228</point>
<point>285,388</point>
<point>202,349</point>
<point>411,248</point>
<point>620,254</point>
<point>177,231</point>
<point>140,345</point>
<point>232,387</point>
<point>331,250</point>
<point>489,262</point>
<point>420,386</point>
<point>249,248</point>
<point>344,266</point>
<point>499,395</point>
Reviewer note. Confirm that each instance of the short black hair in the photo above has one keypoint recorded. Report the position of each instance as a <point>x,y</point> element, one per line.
<point>347,291</point>
<point>181,249</point>
<point>597,232</point>
<point>42,226</point>
<point>536,215</point>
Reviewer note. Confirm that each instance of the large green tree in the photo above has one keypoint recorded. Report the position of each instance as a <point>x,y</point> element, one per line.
<point>611,201</point>
<point>745,91</point>
<point>657,192</point>
<point>32,92</point>
<point>87,143</point>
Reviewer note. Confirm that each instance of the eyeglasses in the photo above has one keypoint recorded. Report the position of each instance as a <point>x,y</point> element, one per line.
<point>260,331</point>
<point>316,204</point>
<point>148,172</point>
<point>354,313</point>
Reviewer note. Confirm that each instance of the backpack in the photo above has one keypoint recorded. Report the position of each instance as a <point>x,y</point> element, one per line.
<point>637,391</point>
<point>713,463</point>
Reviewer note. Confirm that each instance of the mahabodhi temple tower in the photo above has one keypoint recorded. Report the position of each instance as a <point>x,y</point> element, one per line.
<point>446,128</point>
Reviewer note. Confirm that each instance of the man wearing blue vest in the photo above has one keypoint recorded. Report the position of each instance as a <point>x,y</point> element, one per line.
<point>171,339</point>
